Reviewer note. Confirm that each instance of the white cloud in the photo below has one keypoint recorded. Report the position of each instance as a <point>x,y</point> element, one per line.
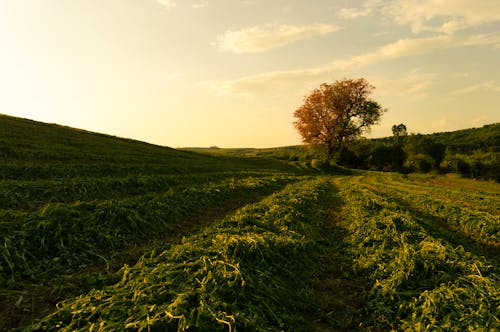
<point>413,86</point>
<point>485,86</point>
<point>352,13</point>
<point>368,7</point>
<point>443,16</point>
<point>451,15</point>
<point>261,38</point>
<point>284,79</point>
<point>416,46</point>
<point>274,82</point>
<point>199,5</point>
<point>168,4</point>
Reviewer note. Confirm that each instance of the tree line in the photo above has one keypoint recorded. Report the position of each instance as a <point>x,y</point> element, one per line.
<point>333,118</point>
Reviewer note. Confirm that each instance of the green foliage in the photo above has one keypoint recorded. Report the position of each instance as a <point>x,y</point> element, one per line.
<point>467,141</point>
<point>399,134</point>
<point>479,165</point>
<point>427,146</point>
<point>419,163</point>
<point>388,157</point>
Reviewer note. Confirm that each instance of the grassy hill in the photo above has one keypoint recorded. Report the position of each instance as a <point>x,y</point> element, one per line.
<point>29,147</point>
<point>75,205</point>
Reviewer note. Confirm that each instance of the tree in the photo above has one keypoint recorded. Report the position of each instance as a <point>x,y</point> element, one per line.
<point>336,113</point>
<point>420,144</point>
<point>399,133</point>
<point>390,157</point>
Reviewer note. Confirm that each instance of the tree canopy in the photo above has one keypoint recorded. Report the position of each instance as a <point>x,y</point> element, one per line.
<point>335,113</point>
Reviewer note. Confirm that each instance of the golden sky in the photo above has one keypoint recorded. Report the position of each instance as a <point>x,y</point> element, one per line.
<point>230,73</point>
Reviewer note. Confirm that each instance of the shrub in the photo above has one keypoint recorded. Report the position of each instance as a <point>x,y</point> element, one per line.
<point>419,163</point>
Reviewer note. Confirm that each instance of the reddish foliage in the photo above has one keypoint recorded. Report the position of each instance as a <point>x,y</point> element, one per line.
<point>338,112</point>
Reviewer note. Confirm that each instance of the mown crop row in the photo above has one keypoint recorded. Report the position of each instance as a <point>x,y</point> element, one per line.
<point>477,199</point>
<point>251,271</point>
<point>30,195</point>
<point>59,236</point>
<point>483,227</point>
<point>36,170</point>
<point>419,282</point>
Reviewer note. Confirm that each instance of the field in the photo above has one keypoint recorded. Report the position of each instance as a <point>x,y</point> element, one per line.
<point>101,233</point>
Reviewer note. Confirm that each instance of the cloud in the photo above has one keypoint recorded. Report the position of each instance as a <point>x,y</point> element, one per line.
<point>274,82</point>
<point>451,15</point>
<point>417,46</point>
<point>368,7</point>
<point>430,15</point>
<point>264,37</point>
<point>168,4</point>
<point>485,86</point>
<point>200,5</point>
<point>416,84</point>
<point>352,13</point>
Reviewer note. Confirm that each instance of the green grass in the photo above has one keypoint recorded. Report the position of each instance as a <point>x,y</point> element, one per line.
<point>421,280</point>
<point>250,271</point>
<point>34,150</point>
<point>127,235</point>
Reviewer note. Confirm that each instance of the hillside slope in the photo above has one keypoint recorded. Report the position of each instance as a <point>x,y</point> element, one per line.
<point>75,206</point>
<point>26,143</point>
<point>464,141</point>
<point>486,138</point>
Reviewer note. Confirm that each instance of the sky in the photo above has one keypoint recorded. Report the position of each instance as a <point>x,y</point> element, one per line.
<point>230,73</point>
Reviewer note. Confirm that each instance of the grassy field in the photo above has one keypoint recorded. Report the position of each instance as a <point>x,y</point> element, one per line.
<point>124,235</point>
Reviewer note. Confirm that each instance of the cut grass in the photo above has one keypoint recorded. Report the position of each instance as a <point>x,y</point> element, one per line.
<point>252,271</point>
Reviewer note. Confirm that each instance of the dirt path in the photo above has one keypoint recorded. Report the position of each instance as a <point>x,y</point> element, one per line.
<point>339,289</point>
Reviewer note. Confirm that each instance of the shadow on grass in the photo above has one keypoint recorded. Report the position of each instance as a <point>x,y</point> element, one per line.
<point>439,228</point>
<point>339,290</point>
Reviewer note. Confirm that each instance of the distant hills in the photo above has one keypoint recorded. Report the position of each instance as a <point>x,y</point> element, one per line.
<point>486,138</point>
<point>465,141</point>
